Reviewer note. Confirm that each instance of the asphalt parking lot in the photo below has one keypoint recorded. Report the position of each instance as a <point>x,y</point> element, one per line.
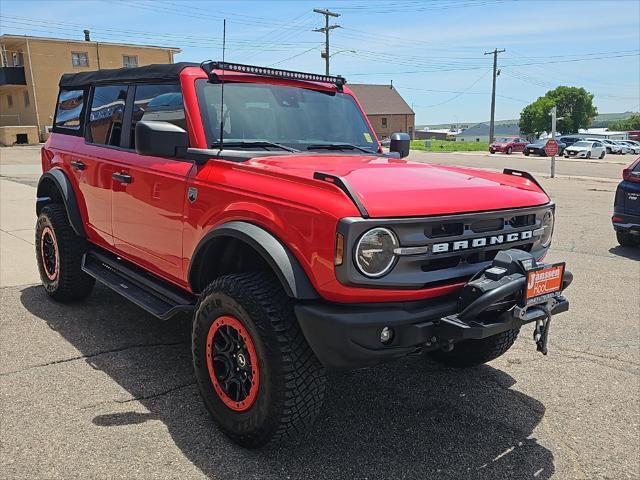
<point>100,389</point>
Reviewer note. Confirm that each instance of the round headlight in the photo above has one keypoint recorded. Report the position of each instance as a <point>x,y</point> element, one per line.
<point>374,254</point>
<point>547,224</point>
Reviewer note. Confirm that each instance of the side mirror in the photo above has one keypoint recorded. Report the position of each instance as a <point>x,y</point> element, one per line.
<point>160,139</point>
<point>400,143</point>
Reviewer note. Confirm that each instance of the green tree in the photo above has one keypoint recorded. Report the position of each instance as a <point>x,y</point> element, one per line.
<point>573,104</point>
<point>631,123</point>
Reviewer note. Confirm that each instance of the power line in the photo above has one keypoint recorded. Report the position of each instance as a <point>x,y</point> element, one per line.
<point>504,66</point>
<point>459,94</point>
<point>293,56</point>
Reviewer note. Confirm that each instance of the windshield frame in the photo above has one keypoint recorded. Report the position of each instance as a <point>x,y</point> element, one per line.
<point>213,140</point>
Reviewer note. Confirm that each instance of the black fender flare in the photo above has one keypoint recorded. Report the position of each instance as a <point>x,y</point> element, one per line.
<point>56,178</point>
<point>285,265</point>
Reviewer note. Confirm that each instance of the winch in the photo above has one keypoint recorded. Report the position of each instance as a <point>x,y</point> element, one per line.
<point>515,289</point>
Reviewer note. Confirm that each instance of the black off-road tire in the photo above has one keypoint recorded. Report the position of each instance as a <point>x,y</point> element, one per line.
<point>470,353</point>
<point>626,239</point>
<point>65,281</point>
<point>291,379</point>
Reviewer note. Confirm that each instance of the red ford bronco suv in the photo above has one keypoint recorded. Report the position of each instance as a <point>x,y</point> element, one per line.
<point>260,202</point>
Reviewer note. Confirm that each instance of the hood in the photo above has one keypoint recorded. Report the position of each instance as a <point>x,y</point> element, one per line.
<point>578,148</point>
<point>500,144</point>
<point>390,187</point>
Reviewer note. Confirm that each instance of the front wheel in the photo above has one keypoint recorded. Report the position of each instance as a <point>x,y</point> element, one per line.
<point>509,150</point>
<point>526,153</point>
<point>588,155</point>
<point>59,256</point>
<point>259,378</point>
<point>601,156</point>
<point>470,353</point>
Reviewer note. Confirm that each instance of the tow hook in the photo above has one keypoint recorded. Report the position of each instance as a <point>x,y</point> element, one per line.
<point>542,325</point>
<point>541,334</point>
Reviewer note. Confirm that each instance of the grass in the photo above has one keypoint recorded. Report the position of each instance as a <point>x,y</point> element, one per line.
<point>449,146</point>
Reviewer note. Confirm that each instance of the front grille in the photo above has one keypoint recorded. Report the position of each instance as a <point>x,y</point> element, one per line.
<point>457,245</point>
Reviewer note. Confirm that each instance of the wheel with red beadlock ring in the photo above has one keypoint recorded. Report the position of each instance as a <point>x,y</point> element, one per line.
<point>59,252</point>
<point>257,375</point>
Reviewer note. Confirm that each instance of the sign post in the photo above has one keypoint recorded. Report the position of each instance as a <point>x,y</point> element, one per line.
<point>552,153</point>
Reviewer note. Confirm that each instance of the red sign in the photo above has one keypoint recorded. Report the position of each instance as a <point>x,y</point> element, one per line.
<point>551,148</point>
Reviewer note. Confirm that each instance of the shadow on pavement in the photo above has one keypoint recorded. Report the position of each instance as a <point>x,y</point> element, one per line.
<point>409,419</point>
<point>627,252</point>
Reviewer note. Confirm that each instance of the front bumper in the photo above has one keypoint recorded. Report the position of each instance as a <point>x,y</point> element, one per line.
<point>348,336</point>
<point>579,154</point>
<point>623,222</point>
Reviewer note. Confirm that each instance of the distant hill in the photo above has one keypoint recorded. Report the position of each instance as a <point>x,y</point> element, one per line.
<point>601,121</point>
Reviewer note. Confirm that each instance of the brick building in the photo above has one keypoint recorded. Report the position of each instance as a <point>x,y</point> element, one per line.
<point>386,109</point>
<point>32,66</point>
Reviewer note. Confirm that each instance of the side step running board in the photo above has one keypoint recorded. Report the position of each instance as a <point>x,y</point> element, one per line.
<point>148,292</point>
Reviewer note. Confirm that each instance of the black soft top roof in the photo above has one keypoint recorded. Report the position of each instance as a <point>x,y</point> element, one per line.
<point>156,72</point>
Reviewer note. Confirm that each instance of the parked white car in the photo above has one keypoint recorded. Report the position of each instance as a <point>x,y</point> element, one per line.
<point>632,146</point>
<point>624,148</point>
<point>586,149</point>
<point>609,145</point>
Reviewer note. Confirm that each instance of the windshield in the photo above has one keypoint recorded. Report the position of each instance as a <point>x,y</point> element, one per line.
<point>582,144</point>
<point>504,140</point>
<point>277,116</point>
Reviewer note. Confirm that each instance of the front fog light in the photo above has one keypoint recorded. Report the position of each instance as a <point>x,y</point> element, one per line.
<point>386,335</point>
<point>547,224</point>
<point>374,253</point>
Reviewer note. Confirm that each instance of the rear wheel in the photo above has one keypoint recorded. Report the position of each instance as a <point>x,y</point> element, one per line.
<point>59,256</point>
<point>259,378</point>
<point>626,239</point>
<point>470,353</point>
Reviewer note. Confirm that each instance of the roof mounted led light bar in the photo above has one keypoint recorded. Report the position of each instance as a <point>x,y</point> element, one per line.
<point>210,66</point>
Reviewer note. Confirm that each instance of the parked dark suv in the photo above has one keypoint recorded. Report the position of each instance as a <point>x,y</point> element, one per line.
<point>626,209</point>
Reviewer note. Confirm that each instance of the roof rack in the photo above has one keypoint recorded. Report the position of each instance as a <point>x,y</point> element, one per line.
<point>210,66</point>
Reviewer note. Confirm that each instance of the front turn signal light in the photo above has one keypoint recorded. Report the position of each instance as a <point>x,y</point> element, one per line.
<point>339,255</point>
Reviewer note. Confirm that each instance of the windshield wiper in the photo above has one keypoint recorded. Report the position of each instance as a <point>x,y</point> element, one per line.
<point>258,143</point>
<point>338,146</point>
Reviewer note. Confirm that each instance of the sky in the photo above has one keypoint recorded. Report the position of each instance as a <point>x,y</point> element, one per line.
<point>432,50</point>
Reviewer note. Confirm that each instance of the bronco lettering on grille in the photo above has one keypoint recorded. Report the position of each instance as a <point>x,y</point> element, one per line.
<point>479,242</point>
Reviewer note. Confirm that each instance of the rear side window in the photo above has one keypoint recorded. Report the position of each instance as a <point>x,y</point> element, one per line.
<point>159,103</point>
<point>106,115</point>
<point>69,110</point>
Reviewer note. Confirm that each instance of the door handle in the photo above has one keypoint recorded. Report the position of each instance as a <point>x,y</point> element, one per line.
<point>122,177</point>
<point>78,165</point>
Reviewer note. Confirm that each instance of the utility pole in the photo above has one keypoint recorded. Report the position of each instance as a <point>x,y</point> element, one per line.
<point>493,91</point>
<point>553,137</point>
<point>326,29</point>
